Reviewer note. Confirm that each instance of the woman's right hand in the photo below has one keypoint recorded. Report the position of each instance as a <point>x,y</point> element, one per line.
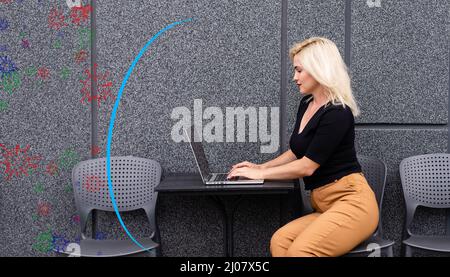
<point>246,164</point>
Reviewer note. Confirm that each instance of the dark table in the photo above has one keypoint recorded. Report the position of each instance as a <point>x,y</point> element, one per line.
<point>185,183</point>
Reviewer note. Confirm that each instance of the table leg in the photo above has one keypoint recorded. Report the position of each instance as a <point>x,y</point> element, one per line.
<point>227,212</point>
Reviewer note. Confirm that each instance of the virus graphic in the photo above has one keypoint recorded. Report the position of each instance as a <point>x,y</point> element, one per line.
<point>77,239</point>
<point>3,24</point>
<point>103,85</point>
<point>3,105</point>
<point>7,66</point>
<point>95,150</point>
<point>11,82</point>
<point>31,71</point>
<point>52,169</point>
<point>57,44</point>
<point>43,73</point>
<point>76,219</point>
<point>65,72</point>
<point>68,188</point>
<point>56,19</point>
<point>16,161</point>
<point>25,44</point>
<point>59,243</point>
<point>85,35</point>
<point>93,183</point>
<point>100,236</point>
<point>80,14</point>
<point>68,159</point>
<point>43,209</point>
<point>44,242</point>
<point>81,56</point>
<point>39,188</point>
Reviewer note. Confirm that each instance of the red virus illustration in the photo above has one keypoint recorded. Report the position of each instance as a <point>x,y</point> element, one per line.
<point>81,56</point>
<point>76,219</point>
<point>80,14</point>
<point>43,73</point>
<point>17,161</point>
<point>95,150</point>
<point>93,183</point>
<point>52,168</point>
<point>25,44</point>
<point>103,86</point>
<point>56,19</point>
<point>5,1</point>
<point>43,209</point>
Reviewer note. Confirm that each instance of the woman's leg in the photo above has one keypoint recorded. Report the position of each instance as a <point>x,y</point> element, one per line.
<point>283,237</point>
<point>350,216</point>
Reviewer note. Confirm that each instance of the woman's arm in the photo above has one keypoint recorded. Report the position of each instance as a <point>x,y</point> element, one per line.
<point>284,158</point>
<point>291,170</point>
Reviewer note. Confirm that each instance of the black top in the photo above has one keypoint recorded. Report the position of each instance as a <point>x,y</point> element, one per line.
<point>329,140</point>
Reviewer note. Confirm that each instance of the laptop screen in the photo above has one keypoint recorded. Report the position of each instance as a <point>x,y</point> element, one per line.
<point>199,154</point>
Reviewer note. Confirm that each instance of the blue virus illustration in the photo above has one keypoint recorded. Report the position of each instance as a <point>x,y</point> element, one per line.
<point>59,243</point>
<point>3,24</point>
<point>7,66</point>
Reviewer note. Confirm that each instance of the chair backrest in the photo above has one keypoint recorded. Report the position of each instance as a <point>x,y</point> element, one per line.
<point>425,182</point>
<point>133,181</point>
<point>375,172</point>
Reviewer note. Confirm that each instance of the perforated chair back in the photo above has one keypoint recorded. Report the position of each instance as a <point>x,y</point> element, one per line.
<point>425,182</point>
<point>133,179</point>
<point>375,172</point>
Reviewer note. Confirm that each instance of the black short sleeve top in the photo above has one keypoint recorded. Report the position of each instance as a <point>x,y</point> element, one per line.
<point>329,140</point>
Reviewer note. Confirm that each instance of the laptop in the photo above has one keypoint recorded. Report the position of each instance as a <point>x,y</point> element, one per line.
<point>214,178</point>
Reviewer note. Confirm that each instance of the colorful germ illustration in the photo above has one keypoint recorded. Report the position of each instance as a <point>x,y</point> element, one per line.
<point>7,66</point>
<point>56,19</point>
<point>103,86</point>
<point>17,161</point>
<point>93,183</point>
<point>80,14</point>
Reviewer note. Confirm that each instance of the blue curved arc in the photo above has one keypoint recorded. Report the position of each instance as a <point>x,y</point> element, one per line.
<point>113,117</point>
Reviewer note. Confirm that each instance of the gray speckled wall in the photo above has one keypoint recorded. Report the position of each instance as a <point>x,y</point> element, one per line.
<point>400,61</point>
<point>400,69</point>
<point>228,56</point>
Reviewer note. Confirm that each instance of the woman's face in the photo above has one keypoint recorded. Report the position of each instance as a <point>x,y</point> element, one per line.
<point>305,82</point>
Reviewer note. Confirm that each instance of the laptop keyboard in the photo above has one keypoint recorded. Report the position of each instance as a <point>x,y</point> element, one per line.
<point>223,177</point>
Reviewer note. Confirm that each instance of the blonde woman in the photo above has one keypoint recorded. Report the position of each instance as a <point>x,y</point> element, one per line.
<point>322,152</point>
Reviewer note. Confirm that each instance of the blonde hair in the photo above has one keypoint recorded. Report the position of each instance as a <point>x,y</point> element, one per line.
<point>321,59</point>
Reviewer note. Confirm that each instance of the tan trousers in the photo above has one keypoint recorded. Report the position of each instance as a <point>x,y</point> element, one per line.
<point>345,214</point>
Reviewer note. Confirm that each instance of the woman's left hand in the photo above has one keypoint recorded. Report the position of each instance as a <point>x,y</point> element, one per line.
<point>248,172</point>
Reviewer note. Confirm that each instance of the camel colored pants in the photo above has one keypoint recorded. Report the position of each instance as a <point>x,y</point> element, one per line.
<point>345,214</point>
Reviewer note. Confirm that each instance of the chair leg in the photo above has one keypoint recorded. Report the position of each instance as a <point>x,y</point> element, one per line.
<point>408,251</point>
<point>390,251</point>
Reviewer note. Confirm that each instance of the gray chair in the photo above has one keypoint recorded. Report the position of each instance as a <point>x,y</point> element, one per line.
<point>426,182</point>
<point>375,172</point>
<point>134,180</point>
